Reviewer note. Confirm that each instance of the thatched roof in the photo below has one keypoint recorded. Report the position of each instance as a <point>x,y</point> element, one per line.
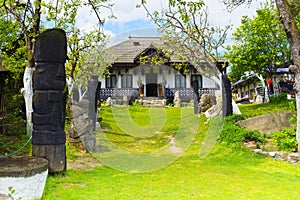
<point>126,51</point>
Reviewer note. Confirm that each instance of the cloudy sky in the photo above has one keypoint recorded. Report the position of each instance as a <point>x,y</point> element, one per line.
<point>129,18</point>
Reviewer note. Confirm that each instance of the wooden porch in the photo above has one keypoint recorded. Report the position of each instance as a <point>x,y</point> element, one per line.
<point>186,94</point>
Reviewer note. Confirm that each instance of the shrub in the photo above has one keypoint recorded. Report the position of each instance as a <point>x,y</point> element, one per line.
<point>285,140</point>
<point>278,98</point>
<point>136,103</point>
<point>232,133</point>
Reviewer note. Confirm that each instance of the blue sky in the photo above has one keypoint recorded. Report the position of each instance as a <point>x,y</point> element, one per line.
<point>130,19</point>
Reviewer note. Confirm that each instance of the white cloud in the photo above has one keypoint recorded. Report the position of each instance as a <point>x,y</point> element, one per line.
<point>218,15</point>
<point>126,11</point>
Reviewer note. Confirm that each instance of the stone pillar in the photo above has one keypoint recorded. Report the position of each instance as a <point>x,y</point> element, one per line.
<point>49,99</point>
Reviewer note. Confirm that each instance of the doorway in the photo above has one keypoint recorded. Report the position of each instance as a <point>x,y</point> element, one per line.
<point>151,85</point>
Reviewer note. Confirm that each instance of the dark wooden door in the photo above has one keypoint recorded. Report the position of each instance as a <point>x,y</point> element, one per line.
<point>151,85</point>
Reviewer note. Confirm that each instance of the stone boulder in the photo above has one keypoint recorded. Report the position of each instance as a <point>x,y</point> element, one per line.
<point>268,123</point>
<point>205,103</point>
<point>80,132</point>
<point>215,110</point>
<point>177,100</point>
<point>125,100</point>
<point>108,101</point>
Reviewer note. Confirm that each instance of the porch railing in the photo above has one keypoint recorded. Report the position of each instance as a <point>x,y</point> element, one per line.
<point>187,93</point>
<point>119,93</point>
<point>133,93</point>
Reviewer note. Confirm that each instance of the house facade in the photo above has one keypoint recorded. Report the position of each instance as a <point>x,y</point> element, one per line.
<point>248,87</point>
<point>129,76</point>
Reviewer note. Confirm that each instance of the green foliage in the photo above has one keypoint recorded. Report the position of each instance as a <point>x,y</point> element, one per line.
<point>285,140</point>
<point>281,97</point>
<point>136,103</point>
<point>188,36</point>
<point>295,7</point>
<point>233,134</point>
<point>260,44</point>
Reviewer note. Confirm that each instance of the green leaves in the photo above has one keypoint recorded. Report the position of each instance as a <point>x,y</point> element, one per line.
<point>188,34</point>
<point>260,44</point>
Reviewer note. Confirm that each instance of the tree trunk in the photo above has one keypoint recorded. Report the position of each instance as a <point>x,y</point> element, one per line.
<point>293,36</point>
<point>261,78</point>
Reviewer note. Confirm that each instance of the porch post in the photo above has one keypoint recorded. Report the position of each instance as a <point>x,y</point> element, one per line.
<point>164,82</point>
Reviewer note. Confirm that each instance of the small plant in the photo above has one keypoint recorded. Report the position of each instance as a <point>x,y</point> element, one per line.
<point>136,103</point>
<point>285,140</point>
<point>292,106</point>
<point>12,192</point>
<point>170,105</point>
<point>253,136</point>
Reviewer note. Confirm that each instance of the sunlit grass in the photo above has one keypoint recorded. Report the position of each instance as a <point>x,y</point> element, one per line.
<point>266,108</point>
<point>225,173</point>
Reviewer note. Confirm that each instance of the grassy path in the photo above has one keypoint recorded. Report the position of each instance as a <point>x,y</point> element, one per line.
<point>225,173</point>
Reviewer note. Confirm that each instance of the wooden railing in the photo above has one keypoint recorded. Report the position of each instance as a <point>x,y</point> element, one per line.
<point>119,93</point>
<point>187,93</point>
<point>133,93</point>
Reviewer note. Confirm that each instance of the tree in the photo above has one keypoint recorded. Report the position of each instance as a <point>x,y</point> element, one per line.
<point>260,45</point>
<point>288,14</point>
<point>189,35</point>
<point>28,15</point>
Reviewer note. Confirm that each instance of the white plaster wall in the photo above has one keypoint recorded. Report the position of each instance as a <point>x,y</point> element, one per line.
<point>208,83</point>
<point>170,80</point>
<point>135,78</point>
<point>188,81</point>
<point>102,82</point>
<point>27,188</point>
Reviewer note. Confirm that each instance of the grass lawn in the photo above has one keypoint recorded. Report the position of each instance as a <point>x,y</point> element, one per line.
<point>225,173</point>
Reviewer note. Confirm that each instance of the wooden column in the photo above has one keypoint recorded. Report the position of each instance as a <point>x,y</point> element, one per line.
<point>49,99</point>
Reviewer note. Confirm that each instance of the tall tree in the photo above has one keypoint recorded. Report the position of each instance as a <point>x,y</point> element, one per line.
<point>189,35</point>
<point>29,15</point>
<point>260,44</point>
<point>288,13</point>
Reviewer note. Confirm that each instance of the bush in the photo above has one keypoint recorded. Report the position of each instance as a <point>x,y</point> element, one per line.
<point>278,98</point>
<point>285,140</point>
<point>232,133</point>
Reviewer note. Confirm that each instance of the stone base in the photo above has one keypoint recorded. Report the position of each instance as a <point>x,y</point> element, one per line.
<point>26,176</point>
<point>152,102</point>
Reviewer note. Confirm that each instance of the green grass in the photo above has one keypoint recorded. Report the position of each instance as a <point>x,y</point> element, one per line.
<point>276,106</point>
<point>120,130</point>
<point>225,173</point>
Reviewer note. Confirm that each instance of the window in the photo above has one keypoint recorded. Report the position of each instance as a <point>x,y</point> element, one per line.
<point>110,81</point>
<point>198,78</point>
<point>180,81</point>
<point>127,81</point>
